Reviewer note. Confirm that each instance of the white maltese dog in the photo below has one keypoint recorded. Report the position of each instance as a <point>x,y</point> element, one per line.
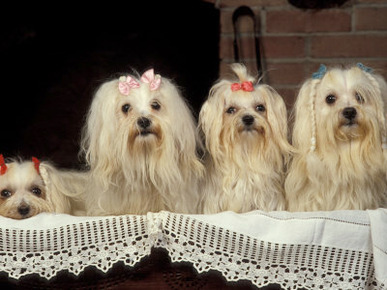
<point>140,141</point>
<point>245,132</point>
<point>340,137</point>
<point>28,188</point>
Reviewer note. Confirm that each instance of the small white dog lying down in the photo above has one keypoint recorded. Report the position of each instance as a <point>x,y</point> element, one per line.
<point>141,141</point>
<point>28,188</point>
<point>340,137</point>
<point>245,131</point>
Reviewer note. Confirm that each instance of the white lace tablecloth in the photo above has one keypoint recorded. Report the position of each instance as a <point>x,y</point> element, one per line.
<point>321,250</point>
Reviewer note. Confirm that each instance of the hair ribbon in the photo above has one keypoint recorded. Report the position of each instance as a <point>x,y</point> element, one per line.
<point>3,166</point>
<point>246,86</point>
<point>318,75</point>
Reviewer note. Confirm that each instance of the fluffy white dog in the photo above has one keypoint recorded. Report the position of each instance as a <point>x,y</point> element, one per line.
<point>245,131</point>
<point>340,135</point>
<point>140,141</point>
<point>28,188</point>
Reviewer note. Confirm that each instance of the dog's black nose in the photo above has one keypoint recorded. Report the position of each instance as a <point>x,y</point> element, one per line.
<point>248,120</point>
<point>349,113</point>
<point>23,210</point>
<point>144,122</point>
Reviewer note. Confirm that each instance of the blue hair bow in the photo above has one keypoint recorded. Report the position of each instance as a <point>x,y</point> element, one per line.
<point>320,73</point>
<point>364,68</point>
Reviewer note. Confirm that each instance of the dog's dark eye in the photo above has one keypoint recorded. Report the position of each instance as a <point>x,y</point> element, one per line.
<point>37,191</point>
<point>330,99</point>
<point>260,108</point>
<point>5,193</point>
<point>156,105</point>
<point>125,108</point>
<point>359,98</point>
<point>231,110</point>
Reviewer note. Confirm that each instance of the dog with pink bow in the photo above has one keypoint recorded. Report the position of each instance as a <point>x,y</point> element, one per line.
<point>140,141</point>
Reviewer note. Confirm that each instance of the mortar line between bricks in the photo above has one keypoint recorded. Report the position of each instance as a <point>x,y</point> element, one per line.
<point>309,59</point>
<point>313,34</point>
<point>292,8</point>
<point>370,5</point>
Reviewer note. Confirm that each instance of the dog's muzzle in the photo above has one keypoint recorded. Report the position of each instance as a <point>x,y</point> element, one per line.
<point>248,120</point>
<point>144,122</point>
<point>144,125</point>
<point>23,210</point>
<point>349,113</point>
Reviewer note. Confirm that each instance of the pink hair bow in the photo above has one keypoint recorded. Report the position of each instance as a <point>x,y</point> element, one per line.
<point>150,78</point>
<point>246,86</point>
<point>125,84</point>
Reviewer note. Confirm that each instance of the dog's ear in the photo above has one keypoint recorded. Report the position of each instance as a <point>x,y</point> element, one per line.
<point>303,118</point>
<point>383,94</point>
<point>277,116</point>
<point>53,185</point>
<point>276,113</point>
<point>184,128</point>
<point>211,116</point>
<point>100,128</point>
<point>383,116</point>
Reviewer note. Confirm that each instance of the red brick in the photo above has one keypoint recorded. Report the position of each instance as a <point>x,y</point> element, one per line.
<point>285,73</point>
<point>283,46</point>
<point>283,21</point>
<point>288,95</point>
<point>379,66</point>
<point>349,46</point>
<point>371,18</point>
<point>226,49</point>
<point>271,47</point>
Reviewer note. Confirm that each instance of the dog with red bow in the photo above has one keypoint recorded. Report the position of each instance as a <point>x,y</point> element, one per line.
<point>340,137</point>
<point>245,132</point>
<point>28,188</point>
<point>140,141</point>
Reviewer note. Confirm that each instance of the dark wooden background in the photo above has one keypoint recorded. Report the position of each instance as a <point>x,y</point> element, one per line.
<point>54,56</point>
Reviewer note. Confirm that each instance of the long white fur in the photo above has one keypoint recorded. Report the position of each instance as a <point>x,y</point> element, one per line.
<point>346,167</point>
<point>245,170</point>
<point>131,174</point>
<point>65,188</point>
<point>62,190</point>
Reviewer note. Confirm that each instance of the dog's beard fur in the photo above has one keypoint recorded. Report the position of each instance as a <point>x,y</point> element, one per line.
<point>245,164</point>
<point>333,129</point>
<point>247,172</point>
<point>136,170</point>
<point>347,170</point>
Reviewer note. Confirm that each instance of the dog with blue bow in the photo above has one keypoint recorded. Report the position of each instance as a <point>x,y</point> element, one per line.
<point>340,136</point>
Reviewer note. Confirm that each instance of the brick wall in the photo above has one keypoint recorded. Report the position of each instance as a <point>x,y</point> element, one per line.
<point>294,41</point>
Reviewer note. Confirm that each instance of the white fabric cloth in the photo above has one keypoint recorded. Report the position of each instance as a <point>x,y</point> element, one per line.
<point>331,250</point>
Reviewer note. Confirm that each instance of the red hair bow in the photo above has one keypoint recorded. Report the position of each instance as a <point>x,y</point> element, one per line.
<point>3,166</point>
<point>36,164</point>
<point>246,86</point>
